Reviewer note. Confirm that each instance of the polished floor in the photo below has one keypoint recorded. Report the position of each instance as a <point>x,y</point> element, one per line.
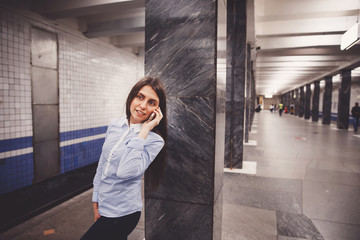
<point>305,185</point>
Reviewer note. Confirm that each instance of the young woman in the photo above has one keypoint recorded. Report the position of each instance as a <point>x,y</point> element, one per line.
<point>131,146</point>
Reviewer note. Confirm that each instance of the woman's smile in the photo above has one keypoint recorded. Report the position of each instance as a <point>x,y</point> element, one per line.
<point>145,102</point>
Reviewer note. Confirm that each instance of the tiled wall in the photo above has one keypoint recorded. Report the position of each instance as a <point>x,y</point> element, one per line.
<point>94,80</point>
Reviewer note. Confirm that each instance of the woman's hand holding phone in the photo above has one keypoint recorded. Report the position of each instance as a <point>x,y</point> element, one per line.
<point>153,120</point>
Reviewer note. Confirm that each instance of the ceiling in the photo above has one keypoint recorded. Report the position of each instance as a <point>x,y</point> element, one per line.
<point>295,42</point>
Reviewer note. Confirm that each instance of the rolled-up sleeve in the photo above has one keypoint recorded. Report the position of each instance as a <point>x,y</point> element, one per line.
<point>138,156</point>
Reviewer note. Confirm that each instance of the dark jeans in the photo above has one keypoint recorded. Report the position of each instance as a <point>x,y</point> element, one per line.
<point>356,123</point>
<point>112,228</point>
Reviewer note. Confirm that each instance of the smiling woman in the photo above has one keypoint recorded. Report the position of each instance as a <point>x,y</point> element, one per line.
<point>131,146</point>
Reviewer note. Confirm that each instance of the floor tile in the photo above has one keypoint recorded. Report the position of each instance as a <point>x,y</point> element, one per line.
<point>331,202</point>
<point>346,178</point>
<point>337,231</point>
<point>282,169</point>
<point>244,223</point>
<point>267,193</point>
<point>289,238</point>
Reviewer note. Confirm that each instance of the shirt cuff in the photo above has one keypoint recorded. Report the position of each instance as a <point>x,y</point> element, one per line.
<point>137,143</point>
<point>95,197</point>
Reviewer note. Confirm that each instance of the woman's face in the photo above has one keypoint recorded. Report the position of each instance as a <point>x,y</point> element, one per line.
<point>144,103</point>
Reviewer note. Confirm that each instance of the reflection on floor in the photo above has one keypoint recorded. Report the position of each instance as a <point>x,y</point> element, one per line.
<point>305,186</point>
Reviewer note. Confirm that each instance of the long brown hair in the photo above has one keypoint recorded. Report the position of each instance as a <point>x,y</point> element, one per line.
<point>156,170</point>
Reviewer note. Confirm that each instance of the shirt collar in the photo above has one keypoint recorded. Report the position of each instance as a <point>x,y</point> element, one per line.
<point>135,127</point>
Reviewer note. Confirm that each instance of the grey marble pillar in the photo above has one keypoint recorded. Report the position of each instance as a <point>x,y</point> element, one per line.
<point>307,101</point>
<point>297,102</point>
<point>301,102</point>
<point>315,102</point>
<point>248,94</point>
<point>181,49</point>
<point>253,96</point>
<point>292,101</point>
<point>235,82</point>
<point>344,100</point>
<point>327,98</point>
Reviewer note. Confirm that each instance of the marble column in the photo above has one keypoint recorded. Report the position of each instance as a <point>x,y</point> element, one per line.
<point>288,101</point>
<point>307,101</point>
<point>315,102</point>
<point>344,100</point>
<point>235,83</point>
<point>296,102</point>
<point>292,102</point>
<point>327,98</point>
<point>181,49</point>
<point>253,96</point>
<point>302,102</point>
<point>248,94</point>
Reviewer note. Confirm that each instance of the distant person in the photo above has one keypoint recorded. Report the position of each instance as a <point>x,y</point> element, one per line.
<point>355,112</point>
<point>275,108</point>
<point>281,108</point>
<point>258,108</point>
<point>132,145</point>
<point>292,110</point>
<point>271,108</point>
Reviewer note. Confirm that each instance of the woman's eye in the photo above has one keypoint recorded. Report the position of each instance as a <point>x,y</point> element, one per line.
<point>152,103</point>
<point>139,96</point>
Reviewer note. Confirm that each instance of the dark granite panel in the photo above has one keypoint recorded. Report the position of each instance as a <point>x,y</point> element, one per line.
<point>177,220</point>
<point>302,102</point>
<point>315,102</point>
<point>190,150</point>
<point>235,82</point>
<point>236,34</point>
<point>344,100</point>
<point>180,45</point>
<point>253,98</point>
<point>326,115</point>
<point>234,135</point>
<point>307,101</point>
<point>296,226</point>
<point>297,103</point>
<point>248,95</point>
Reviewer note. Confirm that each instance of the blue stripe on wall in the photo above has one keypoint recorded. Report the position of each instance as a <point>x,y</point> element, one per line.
<point>80,154</point>
<point>15,144</point>
<point>334,117</point>
<point>16,172</point>
<point>26,142</point>
<point>65,136</point>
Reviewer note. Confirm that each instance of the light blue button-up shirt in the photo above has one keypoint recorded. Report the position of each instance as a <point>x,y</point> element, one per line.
<point>123,161</point>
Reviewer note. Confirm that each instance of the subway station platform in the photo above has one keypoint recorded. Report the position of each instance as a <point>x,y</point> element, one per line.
<point>303,183</point>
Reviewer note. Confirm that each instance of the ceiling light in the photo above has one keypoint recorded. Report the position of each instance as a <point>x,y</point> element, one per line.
<point>350,37</point>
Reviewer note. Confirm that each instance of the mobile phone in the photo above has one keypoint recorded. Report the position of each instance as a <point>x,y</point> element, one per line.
<point>151,117</point>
